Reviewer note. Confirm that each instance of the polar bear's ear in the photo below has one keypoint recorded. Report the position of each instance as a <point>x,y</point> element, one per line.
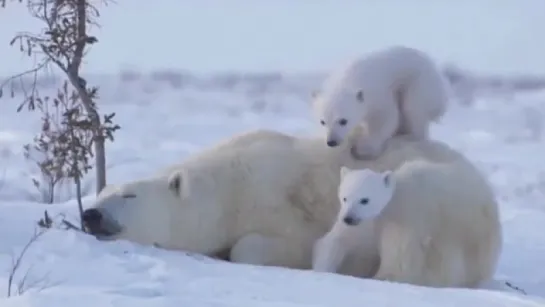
<point>344,171</point>
<point>359,96</point>
<point>387,178</point>
<point>175,183</point>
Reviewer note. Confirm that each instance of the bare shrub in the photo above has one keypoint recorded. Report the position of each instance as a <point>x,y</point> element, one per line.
<point>20,285</point>
<point>19,282</point>
<point>48,191</point>
<point>63,43</point>
<point>64,144</point>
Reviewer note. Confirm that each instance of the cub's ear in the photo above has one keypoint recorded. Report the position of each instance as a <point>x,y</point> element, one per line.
<point>387,178</point>
<point>175,182</point>
<point>359,96</point>
<point>344,171</point>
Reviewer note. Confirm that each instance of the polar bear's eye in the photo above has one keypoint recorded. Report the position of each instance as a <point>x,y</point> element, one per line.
<point>128,195</point>
<point>342,121</point>
<point>344,199</point>
<point>364,201</point>
<point>322,123</point>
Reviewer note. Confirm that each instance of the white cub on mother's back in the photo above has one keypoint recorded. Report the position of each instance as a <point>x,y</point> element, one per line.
<point>397,90</point>
<point>436,224</point>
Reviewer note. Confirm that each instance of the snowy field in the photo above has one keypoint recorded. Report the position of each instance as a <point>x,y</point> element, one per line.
<point>166,114</point>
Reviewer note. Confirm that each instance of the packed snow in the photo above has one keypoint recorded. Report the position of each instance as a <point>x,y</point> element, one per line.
<point>278,52</point>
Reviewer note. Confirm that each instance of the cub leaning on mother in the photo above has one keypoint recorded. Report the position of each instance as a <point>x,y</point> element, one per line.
<point>261,197</point>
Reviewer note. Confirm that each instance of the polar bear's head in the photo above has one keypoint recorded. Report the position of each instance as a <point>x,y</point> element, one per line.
<point>363,194</point>
<point>158,210</point>
<point>339,111</point>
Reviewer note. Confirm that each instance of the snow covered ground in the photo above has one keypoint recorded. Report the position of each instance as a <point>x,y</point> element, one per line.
<point>167,114</point>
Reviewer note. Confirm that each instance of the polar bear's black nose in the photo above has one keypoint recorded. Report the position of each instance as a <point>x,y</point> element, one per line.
<point>92,218</point>
<point>332,143</point>
<point>348,220</point>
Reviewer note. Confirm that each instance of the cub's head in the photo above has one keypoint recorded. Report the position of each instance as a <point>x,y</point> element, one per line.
<point>363,194</point>
<point>338,111</point>
<point>142,211</point>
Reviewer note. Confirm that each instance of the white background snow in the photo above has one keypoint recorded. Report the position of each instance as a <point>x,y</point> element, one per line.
<point>182,75</point>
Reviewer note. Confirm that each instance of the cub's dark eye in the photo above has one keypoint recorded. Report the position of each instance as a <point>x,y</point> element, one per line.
<point>322,123</point>
<point>344,199</point>
<point>342,121</point>
<point>128,195</point>
<point>364,201</point>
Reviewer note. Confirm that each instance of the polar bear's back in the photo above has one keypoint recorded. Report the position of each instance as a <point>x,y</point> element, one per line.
<point>401,149</point>
<point>451,209</point>
<point>465,194</point>
<point>384,68</point>
<point>255,155</point>
<point>272,171</point>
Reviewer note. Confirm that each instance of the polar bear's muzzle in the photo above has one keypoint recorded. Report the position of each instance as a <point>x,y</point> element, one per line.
<point>334,138</point>
<point>100,224</point>
<point>351,220</point>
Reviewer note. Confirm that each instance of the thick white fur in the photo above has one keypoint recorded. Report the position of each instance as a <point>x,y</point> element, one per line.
<point>397,90</point>
<point>261,197</point>
<point>437,224</point>
<point>364,193</point>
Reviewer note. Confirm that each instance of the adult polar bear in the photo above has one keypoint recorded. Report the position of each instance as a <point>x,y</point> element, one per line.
<point>263,196</point>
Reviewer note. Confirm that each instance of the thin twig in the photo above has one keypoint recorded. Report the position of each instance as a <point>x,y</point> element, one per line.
<point>71,226</point>
<point>16,262</point>
<point>34,71</point>
<point>510,285</point>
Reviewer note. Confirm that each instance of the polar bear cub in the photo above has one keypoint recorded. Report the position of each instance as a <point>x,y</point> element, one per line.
<point>364,194</point>
<point>449,241</point>
<point>397,90</point>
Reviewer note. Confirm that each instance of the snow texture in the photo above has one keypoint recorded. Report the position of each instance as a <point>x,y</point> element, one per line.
<point>277,53</point>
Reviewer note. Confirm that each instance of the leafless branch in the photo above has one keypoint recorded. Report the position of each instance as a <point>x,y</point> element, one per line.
<point>73,131</point>
<point>34,72</point>
<point>17,262</point>
<point>64,224</point>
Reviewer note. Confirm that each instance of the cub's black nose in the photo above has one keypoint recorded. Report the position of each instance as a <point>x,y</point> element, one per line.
<point>92,218</point>
<point>348,220</point>
<point>332,143</point>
